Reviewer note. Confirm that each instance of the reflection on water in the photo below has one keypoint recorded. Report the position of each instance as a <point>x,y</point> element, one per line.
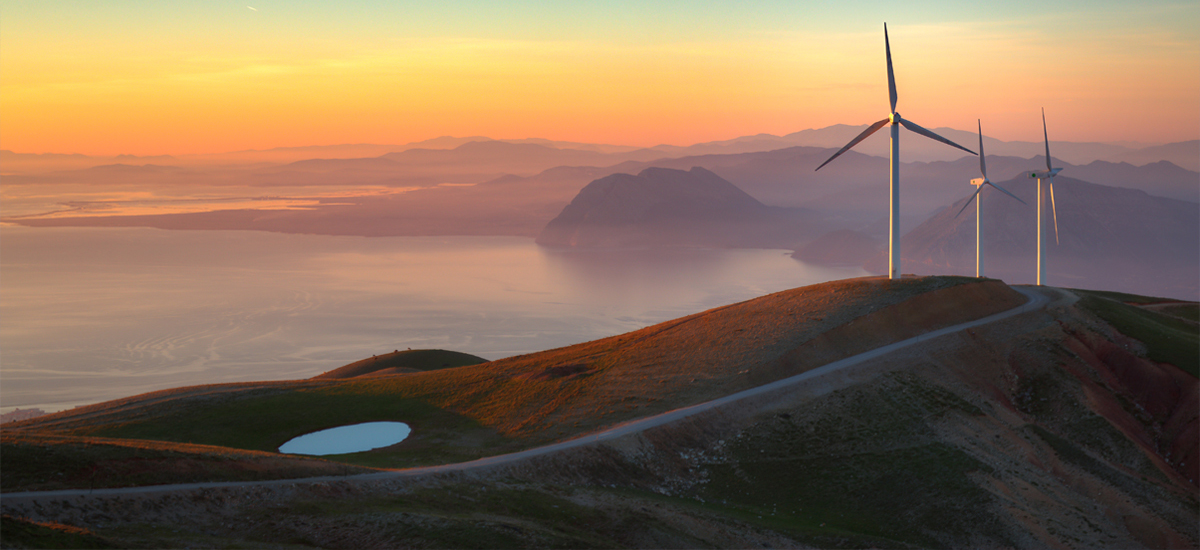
<point>56,200</point>
<point>354,438</point>
<point>90,314</point>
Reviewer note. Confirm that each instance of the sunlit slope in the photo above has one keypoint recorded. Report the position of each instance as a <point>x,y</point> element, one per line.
<point>491,408</point>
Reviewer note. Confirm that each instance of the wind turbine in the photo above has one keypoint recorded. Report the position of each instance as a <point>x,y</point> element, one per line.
<point>1048,175</point>
<point>894,118</point>
<point>979,183</point>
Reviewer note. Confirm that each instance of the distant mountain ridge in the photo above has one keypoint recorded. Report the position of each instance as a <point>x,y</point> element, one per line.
<point>1108,238</point>
<point>1185,154</point>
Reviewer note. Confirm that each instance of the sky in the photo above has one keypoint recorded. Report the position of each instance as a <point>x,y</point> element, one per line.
<point>156,77</point>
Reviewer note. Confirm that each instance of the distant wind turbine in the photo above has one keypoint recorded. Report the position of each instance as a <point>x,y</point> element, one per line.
<point>979,183</point>
<point>1048,175</point>
<point>894,118</point>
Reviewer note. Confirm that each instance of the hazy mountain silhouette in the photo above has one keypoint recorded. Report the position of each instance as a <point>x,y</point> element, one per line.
<point>855,191</point>
<point>471,162</point>
<point>1109,238</point>
<point>672,207</point>
<point>517,158</point>
<point>1183,153</point>
<point>1162,178</point>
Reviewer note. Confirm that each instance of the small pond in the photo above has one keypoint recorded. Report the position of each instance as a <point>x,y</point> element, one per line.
<point>347,439</point>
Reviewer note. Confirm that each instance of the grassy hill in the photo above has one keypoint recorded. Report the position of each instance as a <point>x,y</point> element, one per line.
<point>1055,428</point>
<point>400,362</point>
<point>502,406</point>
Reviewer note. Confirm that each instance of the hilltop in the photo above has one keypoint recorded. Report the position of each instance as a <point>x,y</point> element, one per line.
<point>399,362</point>
<point>1073,426</point>
<point>668,207</point>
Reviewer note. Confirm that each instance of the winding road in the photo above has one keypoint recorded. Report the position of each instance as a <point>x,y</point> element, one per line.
<point>1038,298</point>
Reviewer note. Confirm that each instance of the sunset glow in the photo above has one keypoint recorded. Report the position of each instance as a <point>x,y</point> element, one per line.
<point>173,78</point>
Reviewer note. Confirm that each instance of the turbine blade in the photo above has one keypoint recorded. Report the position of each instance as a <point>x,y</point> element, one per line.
<point>1004,190</point>
<point>969,201</point>
<point>891,75</point>
<point>918,129</point>
<point>982,164</point>
<point>866,133</point>
<point>1054,209</point>
<point>1047,137</point>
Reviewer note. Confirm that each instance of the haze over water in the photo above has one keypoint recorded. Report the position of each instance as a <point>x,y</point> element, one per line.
<point>88,314</point>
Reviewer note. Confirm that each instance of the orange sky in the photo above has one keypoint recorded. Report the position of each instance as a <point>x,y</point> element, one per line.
<point>143,77</point>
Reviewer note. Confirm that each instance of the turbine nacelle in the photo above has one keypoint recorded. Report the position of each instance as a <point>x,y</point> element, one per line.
<point>980,182</point>
<point>1046,174</point>
<point>894,118</point>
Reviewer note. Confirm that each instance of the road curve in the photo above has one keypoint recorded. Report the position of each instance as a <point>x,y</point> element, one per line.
<point>1037,300</point>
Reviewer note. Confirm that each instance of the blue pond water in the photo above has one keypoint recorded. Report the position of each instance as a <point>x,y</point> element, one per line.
<point>348,439</point>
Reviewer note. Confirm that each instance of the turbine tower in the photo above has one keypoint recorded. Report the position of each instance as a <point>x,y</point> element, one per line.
<point>979,183</point>
<point>1048,175</point>
<point>896,121</point>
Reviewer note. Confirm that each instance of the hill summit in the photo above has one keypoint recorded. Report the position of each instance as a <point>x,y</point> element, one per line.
<point>668,207</point>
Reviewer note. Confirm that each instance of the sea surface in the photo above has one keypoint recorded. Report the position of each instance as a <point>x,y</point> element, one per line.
<point>92,314</point>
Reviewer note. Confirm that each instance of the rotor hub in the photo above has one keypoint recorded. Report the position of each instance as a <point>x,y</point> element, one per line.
<point>894,118</point>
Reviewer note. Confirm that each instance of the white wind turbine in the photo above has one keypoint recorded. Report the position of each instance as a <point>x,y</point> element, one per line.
<point>894,118</point>
<point>979,183</point>
<point>1048,175</point>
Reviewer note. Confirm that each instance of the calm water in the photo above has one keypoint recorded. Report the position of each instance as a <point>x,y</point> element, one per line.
<point>354,438</point>
<point>89,314</point>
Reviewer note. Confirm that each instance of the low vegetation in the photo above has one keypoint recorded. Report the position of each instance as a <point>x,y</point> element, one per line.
<point>46,462</point>
<point>866,454</point>
<point>22,533</point>
<point>1169,338</point>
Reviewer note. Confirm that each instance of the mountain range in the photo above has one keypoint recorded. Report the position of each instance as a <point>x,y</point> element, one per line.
<point>470,186</point>
<point>1108,238</point>
<point>1185,154</point>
